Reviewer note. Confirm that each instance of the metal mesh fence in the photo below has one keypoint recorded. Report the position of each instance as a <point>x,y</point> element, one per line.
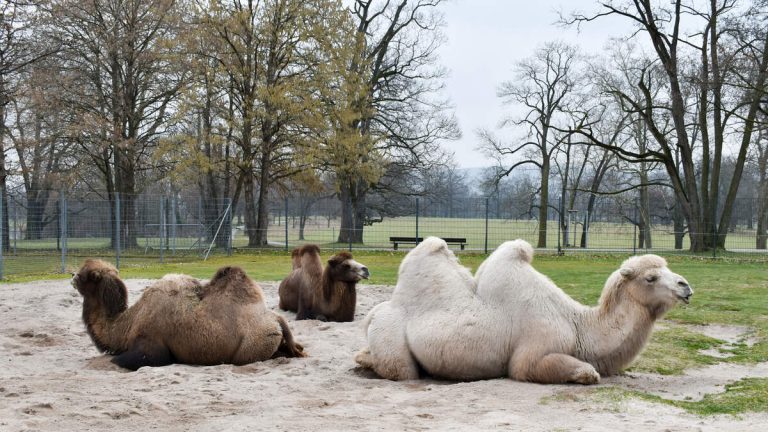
<point>56,236</point>
<point>54,233</point>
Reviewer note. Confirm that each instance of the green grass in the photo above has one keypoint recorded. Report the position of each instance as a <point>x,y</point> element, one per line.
<point>746,395</point>
<point>602,235</point>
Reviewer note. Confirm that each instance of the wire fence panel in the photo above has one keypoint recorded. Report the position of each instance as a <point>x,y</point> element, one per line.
<point>49,232</point>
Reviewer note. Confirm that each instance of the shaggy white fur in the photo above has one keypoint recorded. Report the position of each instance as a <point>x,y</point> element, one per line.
<point>515,321</point>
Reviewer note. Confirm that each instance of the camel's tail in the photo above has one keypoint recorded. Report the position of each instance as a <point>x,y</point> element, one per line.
<point>288,347</point>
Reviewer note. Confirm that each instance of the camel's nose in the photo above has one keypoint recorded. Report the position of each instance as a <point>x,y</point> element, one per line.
<point>687,291</point>
<point>366,273</point>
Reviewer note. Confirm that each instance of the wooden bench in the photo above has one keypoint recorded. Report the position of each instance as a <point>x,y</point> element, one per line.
<point>450,240</point>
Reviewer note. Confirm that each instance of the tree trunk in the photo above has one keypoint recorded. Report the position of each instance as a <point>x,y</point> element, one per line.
<point>543,204</point>
<point>36,204</point>
<point>250,209</point>
<point>352,199</point>
<point>262,219</point>
<point>678,224</point>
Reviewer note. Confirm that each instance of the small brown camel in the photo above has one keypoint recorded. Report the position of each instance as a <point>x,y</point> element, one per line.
<point>315,293</point>
<point>179,320</point>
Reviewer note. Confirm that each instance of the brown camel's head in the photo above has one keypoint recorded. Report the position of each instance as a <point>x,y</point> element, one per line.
<point>647,281</point>
<point>343,268</point>
<point>98,281</point>
<point>295,259</point>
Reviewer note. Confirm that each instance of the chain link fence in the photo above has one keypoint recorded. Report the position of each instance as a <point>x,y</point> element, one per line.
<point>50,232</point>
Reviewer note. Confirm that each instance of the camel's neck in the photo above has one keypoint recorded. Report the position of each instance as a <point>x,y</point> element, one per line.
<point>105,327</point>
<point>332,288</point>
<point>610,338</point>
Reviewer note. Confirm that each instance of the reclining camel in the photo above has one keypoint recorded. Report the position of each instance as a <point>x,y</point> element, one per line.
<point>512,321</point>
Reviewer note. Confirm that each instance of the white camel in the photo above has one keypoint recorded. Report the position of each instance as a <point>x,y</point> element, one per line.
<point>513,321</point>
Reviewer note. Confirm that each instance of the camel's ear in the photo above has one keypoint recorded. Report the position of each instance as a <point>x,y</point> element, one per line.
<point>628,272</point>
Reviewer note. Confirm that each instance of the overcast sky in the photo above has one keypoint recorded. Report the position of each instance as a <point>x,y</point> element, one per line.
<point>484,40</point>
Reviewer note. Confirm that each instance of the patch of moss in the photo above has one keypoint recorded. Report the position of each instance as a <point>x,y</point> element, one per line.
<point>672,350</point>
<point>746,395</point>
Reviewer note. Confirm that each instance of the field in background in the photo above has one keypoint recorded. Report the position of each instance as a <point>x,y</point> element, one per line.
<point>45,257</point>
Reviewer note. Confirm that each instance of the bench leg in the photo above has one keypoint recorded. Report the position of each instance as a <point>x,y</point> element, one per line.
<point>395,246</point>
<point>462,246</point>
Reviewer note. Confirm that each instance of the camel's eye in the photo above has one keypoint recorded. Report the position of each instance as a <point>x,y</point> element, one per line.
<point>651,279</point>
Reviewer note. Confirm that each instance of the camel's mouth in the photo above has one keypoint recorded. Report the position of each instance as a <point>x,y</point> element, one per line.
<point>685,298</point>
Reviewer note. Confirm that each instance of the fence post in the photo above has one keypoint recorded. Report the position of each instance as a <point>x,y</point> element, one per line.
<point>173,223</point>
<point>2,226</point>
<point>286,223</point>
<point>15,227</point>
<point>714,239</point>
<point>63,230</point>
<point>559,225</point>
<point>486,224</point>
<point>417,220</point>
<point>228,215</point>
<point>117,230</point>
<point>200,223</point>
<point>162,229</point>
<point>634,231</point>
<point>351,230</point>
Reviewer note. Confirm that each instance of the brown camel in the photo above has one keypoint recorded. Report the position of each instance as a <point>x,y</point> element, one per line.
<point>179,320</point>
<point>315,293</point>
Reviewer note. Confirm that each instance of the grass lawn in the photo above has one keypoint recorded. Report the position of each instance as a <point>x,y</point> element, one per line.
<point>734,293</point>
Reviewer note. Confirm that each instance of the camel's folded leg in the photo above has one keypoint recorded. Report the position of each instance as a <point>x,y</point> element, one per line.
<point>387,353</point>
<point>144,352</point>
<point>557,369</point>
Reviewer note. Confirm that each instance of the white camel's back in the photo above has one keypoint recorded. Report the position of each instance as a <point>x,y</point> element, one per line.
<point>431,278</point>
<point>512,270</point>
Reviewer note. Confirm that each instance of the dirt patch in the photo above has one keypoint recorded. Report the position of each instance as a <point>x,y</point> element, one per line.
<point>692,385</point>
<point>68,385</point>
<point>731,335</point>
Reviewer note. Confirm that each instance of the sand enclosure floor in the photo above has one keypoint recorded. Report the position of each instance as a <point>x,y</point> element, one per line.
<point>53,379</point>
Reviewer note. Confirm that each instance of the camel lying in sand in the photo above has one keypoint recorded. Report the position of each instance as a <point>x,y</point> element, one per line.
<point>178,320</point>
<point>316,293</point>
<point>512,321</point>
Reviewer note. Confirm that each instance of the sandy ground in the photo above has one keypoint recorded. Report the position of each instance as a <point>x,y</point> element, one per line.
<point>53,379</point>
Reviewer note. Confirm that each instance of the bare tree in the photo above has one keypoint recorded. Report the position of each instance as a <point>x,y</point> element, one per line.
<point>761,163</point>
<point>126,74</point>
<point>401,117</point>
<point>542,86</point>
<point>19,47</point>
<point>726,94</point>
<point>38,133</point>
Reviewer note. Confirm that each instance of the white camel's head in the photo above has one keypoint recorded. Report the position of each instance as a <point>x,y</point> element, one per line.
<point>647,280</point>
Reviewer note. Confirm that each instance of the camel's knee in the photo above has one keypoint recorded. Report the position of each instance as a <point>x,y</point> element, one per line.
<point>364,358</point>
<point>389,367</point>
<point>585,375</point>
<point>144,353</point>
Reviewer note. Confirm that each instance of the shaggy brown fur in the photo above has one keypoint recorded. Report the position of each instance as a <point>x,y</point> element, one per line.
<point>178,320</point>
<point>317,293</point>
<point>307,256</point>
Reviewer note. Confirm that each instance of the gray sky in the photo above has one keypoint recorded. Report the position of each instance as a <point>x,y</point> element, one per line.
<point>484,40</point>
